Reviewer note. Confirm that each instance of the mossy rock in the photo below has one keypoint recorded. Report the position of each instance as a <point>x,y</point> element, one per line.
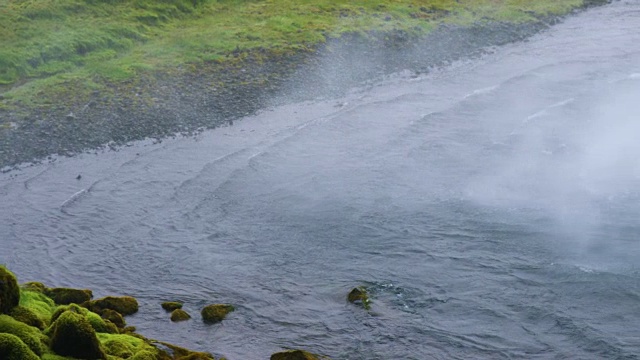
<point>31,336</point>
<point>65,296</point>
<point>125,305</point>
<point>144,355</point>
<point>9,290</point>
<point>97,322</point>
<point>38,303</point>
<point>180,353</point>
<point>179,315</point>
<point>360,296</point>
<point>115,317</point>
<point>295,355</point>
<point>12,348</point>
<point>27,316</point>
<point>216,312</point>
<point>125,346</point>
<point>73,336</point>
<point>196,356</point>
<point>34,286</point>
<point>171,305</point>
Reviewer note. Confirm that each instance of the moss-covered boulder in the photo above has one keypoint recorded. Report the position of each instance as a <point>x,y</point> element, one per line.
<point>9,290</point>
<point>295,355</point>
<point>12,348</point>
<point>29,335</point>
<point>216,312</point>
<point>125,305</point>
<point>180,353</point>
<point>126,346</point>
<point>171,305</point>
<point>144,355</point>
<point>27,316</point>
<point>38,303</point>
<point>34,286</point>
<point>72,335</point>
<point>65,296</point>
<point>115,317</point>
<point>97,322</point>
<point>360,296</point>
<point>179,315</point>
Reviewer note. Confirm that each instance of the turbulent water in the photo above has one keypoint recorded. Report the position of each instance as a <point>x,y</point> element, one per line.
<point>490,206</point>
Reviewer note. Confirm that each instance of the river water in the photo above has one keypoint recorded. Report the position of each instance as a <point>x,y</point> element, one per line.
<point>491,207</point>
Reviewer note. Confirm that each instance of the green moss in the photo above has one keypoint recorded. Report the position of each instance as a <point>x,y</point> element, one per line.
<point>12,348</point>
<point>359,295</point>
<point>125,305</point>
<point>97,322</point>
<point>180,353</point>
<point>216,312</point>
<point>9,290</point>
<point>33,286</point>
<point>30,335</point>
<point>25,315</point>
<point>65,296</point>
<point>171,305</point>
<point>144,355</point>
<point>179,315</point>
<point>127,346</point>
<point>114,316</point>
<point>73,336</point>
<point>106,41</point>
<point>37,303</point>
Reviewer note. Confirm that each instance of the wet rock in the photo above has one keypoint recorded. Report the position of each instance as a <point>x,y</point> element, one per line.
<point>359,296</point>
<point>73,336</point>
<point>171,305</point>
<point>180,353</point>
<point>66,296</point>
<point>113,316</point>
<point>216,312</point>
<point>125,305</point>
<point>179,315</point>
<point>9,290</point>
<point>295,355</point>
<point>12,348</point>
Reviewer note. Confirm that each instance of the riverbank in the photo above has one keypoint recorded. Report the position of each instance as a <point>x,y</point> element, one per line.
<point>84,105</point>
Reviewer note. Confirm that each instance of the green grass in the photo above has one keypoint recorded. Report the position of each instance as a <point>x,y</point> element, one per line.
<point>46,43</point>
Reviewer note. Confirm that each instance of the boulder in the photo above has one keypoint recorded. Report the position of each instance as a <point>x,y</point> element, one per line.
<point>29,335</point>
<point>9,290</point>
<point>27,316</point>
<point>171,305</point>
<point>73,336</point>
<point>12,348</point>
<point>179,315</point>
<point>216,312</point>
<point>125,305</point>
<point>65,296</point>
<point>114,317</point>
<point>359,296</point>
<point>295,355</point>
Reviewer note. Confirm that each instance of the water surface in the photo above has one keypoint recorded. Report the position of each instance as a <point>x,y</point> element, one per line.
<point>491,207</point>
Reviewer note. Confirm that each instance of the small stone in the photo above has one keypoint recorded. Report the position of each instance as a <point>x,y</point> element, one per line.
<point>171,305</point>
<point>179,315</point>
<point>294,355</point>
<point>216,312</point>
<point>359,295</point>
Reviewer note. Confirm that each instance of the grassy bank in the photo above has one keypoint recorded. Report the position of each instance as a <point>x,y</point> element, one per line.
<point>79,74</point>
<point>46,44</point>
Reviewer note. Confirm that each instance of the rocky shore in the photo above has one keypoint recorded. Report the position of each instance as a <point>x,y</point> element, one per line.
<point>188,100</point>
<point>37,322</point>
